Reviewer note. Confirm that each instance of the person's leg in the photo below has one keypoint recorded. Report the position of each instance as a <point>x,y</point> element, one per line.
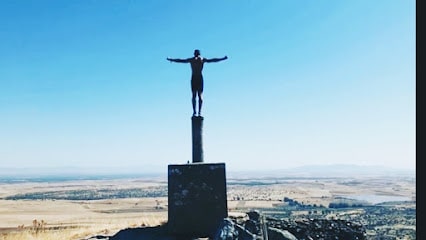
<point>200,102</point>
<point>193,103</point>
<point>200,95</point>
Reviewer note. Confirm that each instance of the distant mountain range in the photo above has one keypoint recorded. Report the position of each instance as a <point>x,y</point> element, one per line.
<point>323,171</point>
<point>332,170</point>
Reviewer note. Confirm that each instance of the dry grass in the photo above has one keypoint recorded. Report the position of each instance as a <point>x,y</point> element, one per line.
<point>76,220</point>
<point>78,231</point>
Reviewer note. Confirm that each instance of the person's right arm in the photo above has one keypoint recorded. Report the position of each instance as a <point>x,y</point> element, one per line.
<point>179,60</point>
<point>215,59</point>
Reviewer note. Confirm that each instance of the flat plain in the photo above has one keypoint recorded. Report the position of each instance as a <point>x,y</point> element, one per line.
<point>69,210</point>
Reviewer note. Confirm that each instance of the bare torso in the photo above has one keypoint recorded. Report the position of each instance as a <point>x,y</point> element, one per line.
<point>197,64</point>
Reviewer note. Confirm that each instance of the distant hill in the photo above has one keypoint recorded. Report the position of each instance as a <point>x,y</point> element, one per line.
<point>333,170</point>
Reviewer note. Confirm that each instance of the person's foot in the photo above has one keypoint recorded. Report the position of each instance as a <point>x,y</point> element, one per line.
<point>194,113</point>
<point>199,114</point>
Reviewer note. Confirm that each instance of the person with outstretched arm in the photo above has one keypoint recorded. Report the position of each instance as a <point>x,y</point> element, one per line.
<point>197,82</point>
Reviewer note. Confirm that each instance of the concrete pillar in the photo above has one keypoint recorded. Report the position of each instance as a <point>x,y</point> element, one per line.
<point>197,139</point>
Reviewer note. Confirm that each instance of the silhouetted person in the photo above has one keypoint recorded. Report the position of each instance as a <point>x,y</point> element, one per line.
<point>197,83</point>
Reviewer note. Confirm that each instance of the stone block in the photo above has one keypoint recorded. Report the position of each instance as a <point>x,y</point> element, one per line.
<point>197,201</point>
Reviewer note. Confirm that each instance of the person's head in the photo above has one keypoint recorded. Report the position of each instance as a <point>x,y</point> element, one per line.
<point>196,52</point>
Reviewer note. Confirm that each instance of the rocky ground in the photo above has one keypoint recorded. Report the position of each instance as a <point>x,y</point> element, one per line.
<point>255,226</point>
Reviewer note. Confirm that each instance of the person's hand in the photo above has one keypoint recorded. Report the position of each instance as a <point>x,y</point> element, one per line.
<point>226,57</point>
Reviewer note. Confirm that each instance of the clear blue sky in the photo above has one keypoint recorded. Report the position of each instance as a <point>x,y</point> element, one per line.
<point>86,83</point>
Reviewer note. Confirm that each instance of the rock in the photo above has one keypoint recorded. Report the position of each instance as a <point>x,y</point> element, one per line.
<point>254,215</point>
<point>252,226</point>
<point>278,234</point>
<point>226,230</point>
<point>243,234</point>
<point>151,233</point>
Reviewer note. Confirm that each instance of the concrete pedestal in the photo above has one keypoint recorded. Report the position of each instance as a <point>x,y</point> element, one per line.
<point>196,198</point>
<point>197,139</point>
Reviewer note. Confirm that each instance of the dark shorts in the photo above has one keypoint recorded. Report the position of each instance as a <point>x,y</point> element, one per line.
<point>197,84</point>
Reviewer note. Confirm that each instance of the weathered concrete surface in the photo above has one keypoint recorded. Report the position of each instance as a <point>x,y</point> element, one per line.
<point>197,198</point>
<point>197,139</point>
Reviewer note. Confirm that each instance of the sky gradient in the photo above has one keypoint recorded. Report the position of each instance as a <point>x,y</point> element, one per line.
<point>86,83</point>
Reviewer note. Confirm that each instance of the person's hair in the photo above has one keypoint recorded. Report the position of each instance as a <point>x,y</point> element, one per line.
<point>196,52</point>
